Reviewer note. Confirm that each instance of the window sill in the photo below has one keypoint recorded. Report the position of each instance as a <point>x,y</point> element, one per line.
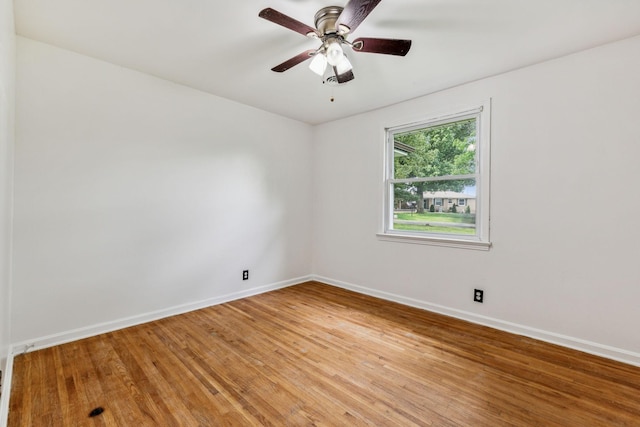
<point>434,241</point>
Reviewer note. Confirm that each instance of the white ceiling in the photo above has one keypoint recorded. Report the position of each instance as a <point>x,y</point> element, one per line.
<point>224,48</point>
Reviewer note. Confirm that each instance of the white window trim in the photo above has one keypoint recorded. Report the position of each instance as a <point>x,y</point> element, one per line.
<point>483,170</point>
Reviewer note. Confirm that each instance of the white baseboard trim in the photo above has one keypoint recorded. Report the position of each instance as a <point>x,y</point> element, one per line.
<point>7,373</point>
<point>101,328</point>
<point>597,349</point>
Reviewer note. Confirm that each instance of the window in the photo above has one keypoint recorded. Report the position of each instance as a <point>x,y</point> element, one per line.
<point>445,158</point>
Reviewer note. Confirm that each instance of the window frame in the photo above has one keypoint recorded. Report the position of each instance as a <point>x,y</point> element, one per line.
<point>482,113</point>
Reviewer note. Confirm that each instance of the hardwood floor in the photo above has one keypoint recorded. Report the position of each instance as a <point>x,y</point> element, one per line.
<point>313,354</point>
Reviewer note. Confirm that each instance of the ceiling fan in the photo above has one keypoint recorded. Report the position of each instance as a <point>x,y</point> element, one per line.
<point>333,25</point>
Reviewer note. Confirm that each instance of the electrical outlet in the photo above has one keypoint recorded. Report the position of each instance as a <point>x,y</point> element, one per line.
<point>245,274</point>
<point>478,295</point>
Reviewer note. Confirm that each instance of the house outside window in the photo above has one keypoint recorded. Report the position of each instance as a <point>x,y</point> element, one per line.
<point>444,173</point>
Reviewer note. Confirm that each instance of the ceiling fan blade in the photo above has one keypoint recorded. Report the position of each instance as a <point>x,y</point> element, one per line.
<point>385,46</point>
<point>301,57</point>
<point>287,22</point>
<point>344,77</point>
<point>354,13</point>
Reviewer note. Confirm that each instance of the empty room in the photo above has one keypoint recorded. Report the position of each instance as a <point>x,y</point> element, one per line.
<point>317,213</point>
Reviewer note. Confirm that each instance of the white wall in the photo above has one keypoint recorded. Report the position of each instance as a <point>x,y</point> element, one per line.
<point>134,194</point>
<point>7,110</point>
<point>564,205</point>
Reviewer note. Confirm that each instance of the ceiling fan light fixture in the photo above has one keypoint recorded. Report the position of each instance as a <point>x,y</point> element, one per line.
<point>335,54</point>
<point>318,64</point>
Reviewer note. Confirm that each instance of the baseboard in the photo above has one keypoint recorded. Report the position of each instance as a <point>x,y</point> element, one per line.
<point>7,373</point>
<point>89,331</point>
<point>597,349</point>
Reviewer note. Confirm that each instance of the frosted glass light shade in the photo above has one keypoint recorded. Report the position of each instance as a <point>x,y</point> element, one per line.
<point>343,66</point>
<point>334,53</point>
<point>318,64</point>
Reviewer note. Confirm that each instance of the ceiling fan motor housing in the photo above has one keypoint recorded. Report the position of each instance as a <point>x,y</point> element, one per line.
<point>325,19</point>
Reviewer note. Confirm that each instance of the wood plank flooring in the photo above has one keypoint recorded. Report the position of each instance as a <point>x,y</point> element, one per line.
<point>313,354</point>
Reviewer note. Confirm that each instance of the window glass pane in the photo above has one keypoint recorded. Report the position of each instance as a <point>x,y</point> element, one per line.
<point>425,207</point>
<point>442,150</point>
